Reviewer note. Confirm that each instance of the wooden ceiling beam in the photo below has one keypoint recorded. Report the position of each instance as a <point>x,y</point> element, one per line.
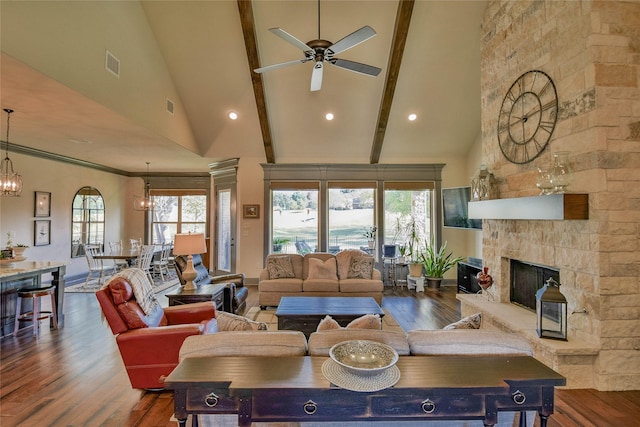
<point>403,19</point>
<point>248,31</point>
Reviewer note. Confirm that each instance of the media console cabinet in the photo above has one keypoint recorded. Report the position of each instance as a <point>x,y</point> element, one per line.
<point>293,389</point>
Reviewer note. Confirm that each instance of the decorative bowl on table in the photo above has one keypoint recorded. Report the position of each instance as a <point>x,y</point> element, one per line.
<point>364,357</point>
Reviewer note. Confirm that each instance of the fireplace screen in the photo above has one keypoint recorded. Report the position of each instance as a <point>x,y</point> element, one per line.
<point>526,279</point>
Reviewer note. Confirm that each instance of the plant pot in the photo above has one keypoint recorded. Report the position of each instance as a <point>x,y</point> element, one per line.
<point>415,269</point>
<point>434,282</point>
<point>401,259</point>
<point>372,244</point>
<point>18,251</point>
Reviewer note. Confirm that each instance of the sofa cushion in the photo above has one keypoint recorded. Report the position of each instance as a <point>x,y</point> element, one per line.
<point>322,256</point>
<point>319,269</point>
<point>469,322</point>
<point>280,285</point>
<point>343,259</point>
<point>320,285</point>
<point>361,285</point>
<point>245,343</point>
<point>467,342</point>
<point>233,322</point>
<point>280,267</point>
<point>361,267</point>
<point>321,342</point>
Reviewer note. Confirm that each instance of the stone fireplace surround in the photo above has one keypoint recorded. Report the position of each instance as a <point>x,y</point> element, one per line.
<point>590,49</point>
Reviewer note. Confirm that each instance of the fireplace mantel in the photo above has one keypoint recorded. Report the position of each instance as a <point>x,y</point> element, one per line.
<point>551,207</point>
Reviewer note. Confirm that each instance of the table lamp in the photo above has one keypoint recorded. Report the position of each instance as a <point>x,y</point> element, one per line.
<point>189,244</point>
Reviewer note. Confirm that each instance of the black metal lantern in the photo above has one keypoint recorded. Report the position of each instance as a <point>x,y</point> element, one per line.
<point>551,308</point>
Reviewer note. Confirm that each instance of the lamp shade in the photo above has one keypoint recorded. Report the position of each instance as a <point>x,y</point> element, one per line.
<point>189,244</point>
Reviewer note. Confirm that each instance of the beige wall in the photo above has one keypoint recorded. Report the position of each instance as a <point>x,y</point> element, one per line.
<point>62,181</point>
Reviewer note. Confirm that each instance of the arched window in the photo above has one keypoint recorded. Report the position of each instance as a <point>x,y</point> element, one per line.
<point>87,220</point>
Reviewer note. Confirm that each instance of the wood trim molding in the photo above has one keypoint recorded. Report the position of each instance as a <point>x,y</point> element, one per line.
<point>248,31</point>
<point>403,19</point>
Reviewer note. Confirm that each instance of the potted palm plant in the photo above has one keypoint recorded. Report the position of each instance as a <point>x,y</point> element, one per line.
<point>437,262</point>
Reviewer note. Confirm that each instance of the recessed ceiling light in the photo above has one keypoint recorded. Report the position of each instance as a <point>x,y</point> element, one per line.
<point>412,117</point>
<point>329,116</point>
<point>81,141</point>
<point>233,115</point>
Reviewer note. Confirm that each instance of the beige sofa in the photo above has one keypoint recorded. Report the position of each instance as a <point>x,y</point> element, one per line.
<point>458,342</point>
<point>348,273</point>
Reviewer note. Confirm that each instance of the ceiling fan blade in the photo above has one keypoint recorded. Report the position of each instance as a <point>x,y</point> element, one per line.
<point>281,65</point>
<point>316,76</point>
<point>290,39</point>
<point>353,39</point>
<point>357,67</point>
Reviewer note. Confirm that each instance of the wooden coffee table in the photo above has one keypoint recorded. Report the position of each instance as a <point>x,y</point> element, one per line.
<point>305,313</point>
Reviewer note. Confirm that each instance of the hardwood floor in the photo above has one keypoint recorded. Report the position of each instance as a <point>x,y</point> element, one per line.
<point>74,376</point>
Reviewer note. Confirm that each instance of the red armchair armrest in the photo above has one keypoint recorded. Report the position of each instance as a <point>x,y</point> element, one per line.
<point>149,346</point>
<point>190,313</point>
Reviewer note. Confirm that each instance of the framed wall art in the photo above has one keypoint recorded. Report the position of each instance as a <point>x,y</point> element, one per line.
<point>251,211</point>
<point>42,233</point>
<point>42,204</point>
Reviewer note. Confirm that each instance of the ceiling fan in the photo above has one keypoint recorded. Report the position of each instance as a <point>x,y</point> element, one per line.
<point>320,51</point>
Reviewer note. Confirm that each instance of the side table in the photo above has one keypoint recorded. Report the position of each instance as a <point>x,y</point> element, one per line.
<point>202,293</point>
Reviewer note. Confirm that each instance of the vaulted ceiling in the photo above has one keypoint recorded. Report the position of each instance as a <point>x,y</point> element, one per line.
<point>66,103</point>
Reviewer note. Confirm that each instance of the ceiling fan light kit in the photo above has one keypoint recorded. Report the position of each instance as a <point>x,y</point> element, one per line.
<point>320,51</point>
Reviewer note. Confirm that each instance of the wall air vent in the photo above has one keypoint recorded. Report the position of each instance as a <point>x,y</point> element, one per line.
<point>112,64</point>
<point>169,106</point>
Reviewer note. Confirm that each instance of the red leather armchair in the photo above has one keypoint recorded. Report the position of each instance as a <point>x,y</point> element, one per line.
<point>149,343</point>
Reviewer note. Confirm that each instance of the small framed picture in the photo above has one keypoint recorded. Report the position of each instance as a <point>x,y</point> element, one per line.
<point>42,204</point>
<point>251,211</point>
<point>42,233</point>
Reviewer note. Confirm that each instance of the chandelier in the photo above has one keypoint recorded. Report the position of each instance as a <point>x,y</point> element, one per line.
<point>10,181</point>
<point>145,202</point>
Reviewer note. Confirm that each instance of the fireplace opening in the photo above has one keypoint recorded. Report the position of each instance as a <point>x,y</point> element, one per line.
<point>526,279</point>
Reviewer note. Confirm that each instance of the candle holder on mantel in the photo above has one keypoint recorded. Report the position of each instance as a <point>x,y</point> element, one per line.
<point>485,281</point>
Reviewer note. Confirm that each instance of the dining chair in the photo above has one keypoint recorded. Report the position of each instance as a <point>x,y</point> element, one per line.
<point>161,265</point>
<point>96,266</point>
<point>116,247</point>
<point>135,243</point>
<point>145,259</point>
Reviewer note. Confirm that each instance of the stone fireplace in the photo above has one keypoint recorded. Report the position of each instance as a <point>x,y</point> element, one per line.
<point>526,279</point>
<point>591,51</point>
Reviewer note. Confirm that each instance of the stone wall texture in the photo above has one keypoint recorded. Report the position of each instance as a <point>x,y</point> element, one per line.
<point>591,50</point>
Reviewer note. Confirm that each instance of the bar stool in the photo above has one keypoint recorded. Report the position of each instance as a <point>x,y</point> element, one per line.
<point>35,315</point>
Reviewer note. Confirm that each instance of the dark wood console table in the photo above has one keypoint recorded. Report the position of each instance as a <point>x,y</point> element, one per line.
<point>202,293</point>
<point>293,389</point>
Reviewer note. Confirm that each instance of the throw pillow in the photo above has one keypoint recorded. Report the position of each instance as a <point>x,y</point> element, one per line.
<point>361,267</point>
<point>368,321</point>
<point>469,322</point>
<point>327,324</point>
<point>233,322</point>
<point>319,269</point>
<point>280,267</point>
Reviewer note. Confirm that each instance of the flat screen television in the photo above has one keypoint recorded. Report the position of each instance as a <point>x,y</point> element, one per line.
<point>455,208</point>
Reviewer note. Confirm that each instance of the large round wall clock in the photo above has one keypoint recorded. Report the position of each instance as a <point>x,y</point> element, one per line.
<point>527,117</point>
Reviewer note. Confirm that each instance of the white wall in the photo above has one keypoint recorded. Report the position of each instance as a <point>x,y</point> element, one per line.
<point>62,181</point>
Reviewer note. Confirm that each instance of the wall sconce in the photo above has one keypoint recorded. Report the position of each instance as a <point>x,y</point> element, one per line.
<point>551,311</point>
